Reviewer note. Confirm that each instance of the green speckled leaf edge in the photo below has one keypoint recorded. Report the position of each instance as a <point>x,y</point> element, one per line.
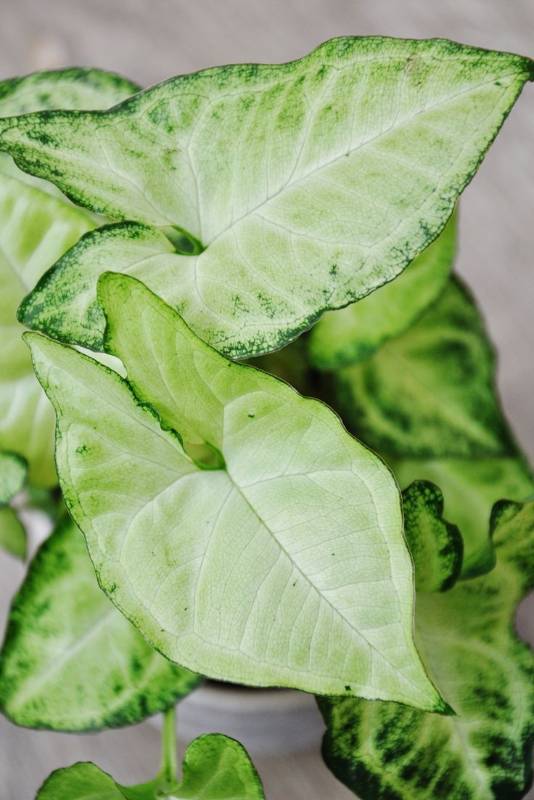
<point>321,137</point>
<point>63,304</point>
<point>70,661</point>
<point>435,545</point>
<point>78,87</point>
<point>355,332</point>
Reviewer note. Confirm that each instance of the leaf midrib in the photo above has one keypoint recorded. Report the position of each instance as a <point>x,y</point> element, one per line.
<point>405,123</point>
<point>322,597</point>
<point>44,677</point>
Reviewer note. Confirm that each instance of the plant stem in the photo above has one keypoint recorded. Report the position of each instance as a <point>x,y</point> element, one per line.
<point>168,744</point>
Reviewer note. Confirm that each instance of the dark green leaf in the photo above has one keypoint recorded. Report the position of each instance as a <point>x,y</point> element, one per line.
<point>435,545</point>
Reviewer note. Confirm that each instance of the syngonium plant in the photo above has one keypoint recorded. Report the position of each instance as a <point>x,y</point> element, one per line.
<point>242,248</point>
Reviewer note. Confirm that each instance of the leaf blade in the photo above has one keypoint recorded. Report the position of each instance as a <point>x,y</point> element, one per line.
<point>354,333</point>
<point>324,137</point>
<point>264,623</point>
<point>469,643</point>
<point>38,226</point>
<point>470,488</point>
<point>215,767</point>
<point>430,392</point>
<point>435,545</point>
<point>70,661</point>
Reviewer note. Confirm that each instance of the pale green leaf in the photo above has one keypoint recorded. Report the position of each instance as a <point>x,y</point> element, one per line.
<point>385,750</point>
<point>429,392</point>
<point>12,477</point>
<point>470,488</point>
<point>12,533</point>
<point>64,303</point>
<point>70,660</point>
<point>292,188</point>
<point>35,230</point>
<point>285,566</point>
<point>70,88</point>
<point>355,332</point>
<point>435,545</point>
<point>215,768</point>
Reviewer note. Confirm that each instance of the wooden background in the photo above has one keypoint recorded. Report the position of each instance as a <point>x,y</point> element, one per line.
<point>149,40</point>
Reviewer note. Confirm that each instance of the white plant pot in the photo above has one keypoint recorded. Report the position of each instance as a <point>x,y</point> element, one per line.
<point>268,722</point>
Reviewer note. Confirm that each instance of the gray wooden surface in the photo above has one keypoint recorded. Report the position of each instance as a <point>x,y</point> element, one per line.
<point>152,39</point>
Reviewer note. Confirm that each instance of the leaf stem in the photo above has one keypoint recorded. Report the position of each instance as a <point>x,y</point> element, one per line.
<point>168,745</point>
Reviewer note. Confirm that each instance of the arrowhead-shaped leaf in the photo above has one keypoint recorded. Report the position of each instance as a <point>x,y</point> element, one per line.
<point>70,660</point>
<point>354,333</point>
<point>285,189</point>
<point>215,768</point>
<point>436,546</point>
<point>484,753</point>
<point>35,230</point>
<point>283,563</point>
<point>12,477</point>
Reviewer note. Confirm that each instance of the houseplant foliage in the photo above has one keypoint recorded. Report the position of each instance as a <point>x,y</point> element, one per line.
<point>406,122</point>
<point>215,767</point>
<point>388,750</point>
<point>70,660</point>
<point>38,226</point>
<point>12,478</point>
<point>234,524</point>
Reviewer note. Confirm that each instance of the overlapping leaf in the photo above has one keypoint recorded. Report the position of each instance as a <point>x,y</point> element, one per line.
<point>385,750</point>
<point>427,401</point>
<point>285,564</point>
<point>70,88</point>
<point>287,189</point>
<point>12,477</point>
<point>215,768</point>
<point>70,660</point>
<point>354,333</point>
<point>35,230</point>
<point>430,392</point>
